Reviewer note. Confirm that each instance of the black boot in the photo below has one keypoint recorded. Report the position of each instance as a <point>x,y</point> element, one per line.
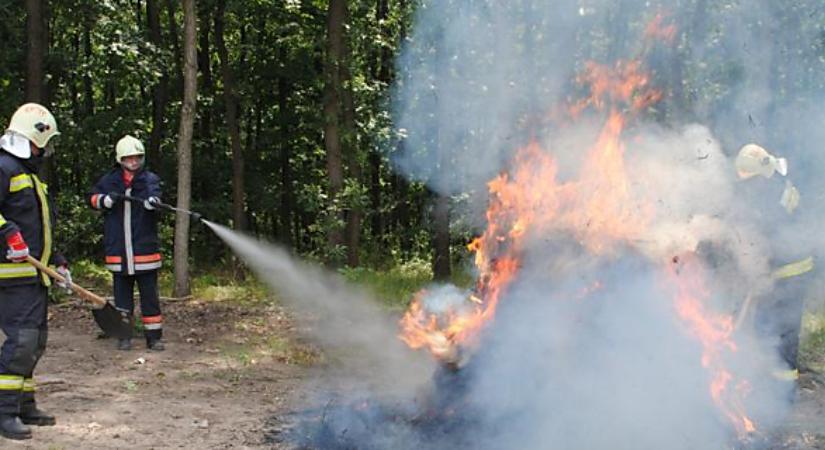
<point>12,427</point>
<point>33,416</point>
<point>155,344</point>
<point>124,344</point>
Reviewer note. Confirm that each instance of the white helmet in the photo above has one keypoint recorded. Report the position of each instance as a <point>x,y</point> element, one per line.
<point>30,123</point>
<point>128,146</point>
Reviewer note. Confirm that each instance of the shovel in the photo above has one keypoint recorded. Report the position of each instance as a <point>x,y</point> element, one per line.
<point>113,322</point>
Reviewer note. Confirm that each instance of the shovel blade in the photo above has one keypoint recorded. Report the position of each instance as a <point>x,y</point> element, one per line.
<point>114,323</point>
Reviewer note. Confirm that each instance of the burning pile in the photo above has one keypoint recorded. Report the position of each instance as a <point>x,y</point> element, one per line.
<point>606,216</point>
<point>608,305</point>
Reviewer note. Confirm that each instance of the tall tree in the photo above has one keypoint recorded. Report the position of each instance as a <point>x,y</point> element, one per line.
<point>285,119</point>
<point>231,103</point>
<point>35,50</point>
<point>187,123</point>
<point>443,174</point>
<point>160,91</point>
<point>350,149</point>
<point>336,16</point>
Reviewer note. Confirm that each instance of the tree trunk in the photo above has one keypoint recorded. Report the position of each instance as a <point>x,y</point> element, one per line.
<point>350,149</point>
<point>88,86</point>
<point>443,174</point>
<point>36,46</point>
<point>160,92</point>
<point>336,15</point>
<point>231,101</point>
<point>187,121</point>
<point>382,72</point>
<point>441,237</point>
<point>284,120</point>
<point>205,68</point>
<point>35,51</point>
<point>174,33</point>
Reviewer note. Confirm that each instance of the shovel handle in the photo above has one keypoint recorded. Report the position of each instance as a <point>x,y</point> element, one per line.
<point>90,296</point>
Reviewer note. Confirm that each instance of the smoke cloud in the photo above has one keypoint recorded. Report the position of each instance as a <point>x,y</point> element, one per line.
<point>360,337</point>
<point>480,79</point>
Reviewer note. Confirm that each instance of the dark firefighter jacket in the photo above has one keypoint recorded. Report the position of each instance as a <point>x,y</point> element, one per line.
<point>130,231</point>
<point>25,206</point>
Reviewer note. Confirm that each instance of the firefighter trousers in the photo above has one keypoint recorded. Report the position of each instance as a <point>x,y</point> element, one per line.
<point>23,310</point>
<point>124,287</point>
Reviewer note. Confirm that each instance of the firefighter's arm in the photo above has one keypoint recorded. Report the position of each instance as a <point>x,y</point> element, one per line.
<point>100,199</point>
<point>17,250</point>
<point>153,188</point>
<point>7,228</point>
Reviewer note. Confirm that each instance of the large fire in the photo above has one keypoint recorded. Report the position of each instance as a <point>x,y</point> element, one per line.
<point>603,212</point>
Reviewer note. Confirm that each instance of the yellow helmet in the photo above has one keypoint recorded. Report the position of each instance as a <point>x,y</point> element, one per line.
<point>34,123</point>
<point>128,146</point>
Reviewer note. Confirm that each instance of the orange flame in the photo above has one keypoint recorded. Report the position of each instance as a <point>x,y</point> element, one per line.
<point>657,30</point>
<point>601,210</point>
<point>598,209</point>
<point>714,332</point>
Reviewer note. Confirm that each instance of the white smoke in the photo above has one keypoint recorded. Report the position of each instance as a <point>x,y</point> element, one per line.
<point>620,370</point>
<point>359,336</point>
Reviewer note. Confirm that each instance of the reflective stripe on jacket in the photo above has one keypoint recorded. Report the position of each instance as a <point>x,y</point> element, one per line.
<point>25,206</point>
<point>130,231</point>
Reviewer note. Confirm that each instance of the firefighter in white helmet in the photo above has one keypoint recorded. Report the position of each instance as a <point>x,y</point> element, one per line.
<point>130,232</point>
<point>26,222</point>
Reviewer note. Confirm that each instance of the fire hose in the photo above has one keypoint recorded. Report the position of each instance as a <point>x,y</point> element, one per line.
<point>195,216</point>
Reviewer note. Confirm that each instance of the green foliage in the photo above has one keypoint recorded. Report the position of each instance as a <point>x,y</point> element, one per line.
<point>395,287</point>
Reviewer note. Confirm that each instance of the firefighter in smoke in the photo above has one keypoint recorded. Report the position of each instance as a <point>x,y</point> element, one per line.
<point>780,316</point>
<point>128,195</point>
<point>26,221</point>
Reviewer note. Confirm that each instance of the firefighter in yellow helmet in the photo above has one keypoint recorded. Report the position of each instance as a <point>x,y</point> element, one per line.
<point>26,223</point>
<point>130,235</point>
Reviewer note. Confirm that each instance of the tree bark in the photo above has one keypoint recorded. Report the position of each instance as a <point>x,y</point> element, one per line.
<point>443,174</point>
<point>205,68</point>
<point>381,72</point>
<point>187,121</point>
<point>285,219</point>
<point>88,86</point>
<point>441,237</point>
<point>350,149</point>
<point>160,92</point>
<point>336,15</point>
<point>231,103</point>
<point>172,24</point>
<point>35,51</point>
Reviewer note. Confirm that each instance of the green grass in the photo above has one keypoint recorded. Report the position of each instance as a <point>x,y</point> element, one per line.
<point>395,287</point>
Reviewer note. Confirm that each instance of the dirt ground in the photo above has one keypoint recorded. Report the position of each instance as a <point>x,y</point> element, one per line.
<point>229,373</point>
<point>225,371</point>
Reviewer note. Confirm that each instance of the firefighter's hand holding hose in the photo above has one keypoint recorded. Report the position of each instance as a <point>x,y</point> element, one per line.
<point>151,203</point>
<point>110,199</point>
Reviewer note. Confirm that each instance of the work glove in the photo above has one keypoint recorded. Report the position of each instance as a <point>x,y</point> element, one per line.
<point>110,199</point>
<point>18,250</point>
<point>67,276</point>
<point>150,203</point>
